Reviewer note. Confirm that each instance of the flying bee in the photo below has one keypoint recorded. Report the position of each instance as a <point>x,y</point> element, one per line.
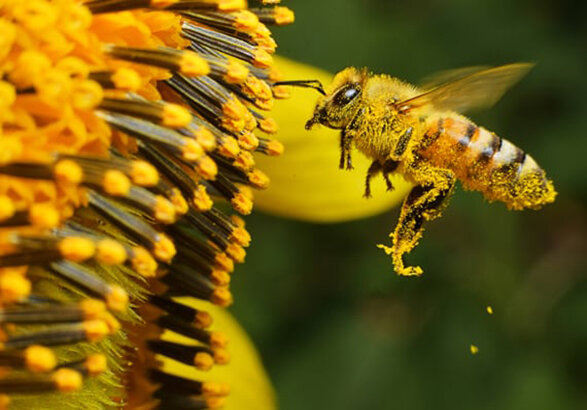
<point>421,134</point>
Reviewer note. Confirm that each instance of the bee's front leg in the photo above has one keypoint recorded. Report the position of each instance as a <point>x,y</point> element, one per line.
<point>424,203</point>
<point>346,139</point>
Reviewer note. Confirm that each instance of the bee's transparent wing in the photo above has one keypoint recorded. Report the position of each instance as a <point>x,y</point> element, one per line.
<point>467,89</point>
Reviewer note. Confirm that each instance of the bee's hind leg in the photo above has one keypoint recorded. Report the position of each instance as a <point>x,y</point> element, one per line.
<point>373,170</point>
<point>424,203</point>
<point>389,167</point>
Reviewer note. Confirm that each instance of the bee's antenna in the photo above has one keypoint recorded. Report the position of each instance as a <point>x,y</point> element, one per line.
<point>315,84</point>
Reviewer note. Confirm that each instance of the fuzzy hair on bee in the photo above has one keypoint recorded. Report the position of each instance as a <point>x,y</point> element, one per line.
<point>421,134</point>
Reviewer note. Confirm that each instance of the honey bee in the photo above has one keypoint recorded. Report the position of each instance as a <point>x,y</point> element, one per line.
<point>421,134</point>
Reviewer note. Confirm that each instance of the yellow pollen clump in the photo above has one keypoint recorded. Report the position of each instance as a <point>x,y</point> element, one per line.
<point>215,389</point>
<point>43,215</point>
<point>176,116</point>
<point>242,204</point>
<point>67,171</point>
<point>236,252</point>
<point>143,262</point>
<point>191,150</point>
<point>13,287</point>
<point>110,252</point>
<point>207,167</point>
<point>236,73</point>
<point>179,202</point>
<point>474,349</point>
<point>193,65</point>
<point>205,138</point>
<point>164,210</point>
<point>203,320</point>
<point>246,21</point>
<point>269,125</point>
<point>221,356</point>
<point>144,174</point>
<point>262,59</point>
<point>203,361</point>
<point>218,339</point>
<point>229,148</point>
<point>86,95</point>
<point>241,236</point>
<point>164,249</point>
<point>117,298</point>
<point>126,79</point>
<point>231,5</point>
<point>77,249</point>
<point>489,310</point>
<point>221,297</point>
<point>281,92</point>
<point>202,201</point>
<point>215,402</point>
<point>95,330</point>
<point>283,15</point>
<point>67,380</point>
<point>220,278</point>
<point>92,308</point>
<point>115,183</point>
<point>258,179</point>
<point>223,262</point>
<point>96,364</point>
<point>248,141</point>
<point>40,359</point>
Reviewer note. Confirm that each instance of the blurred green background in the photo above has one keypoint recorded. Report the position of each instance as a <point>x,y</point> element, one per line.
<point>339,330</point>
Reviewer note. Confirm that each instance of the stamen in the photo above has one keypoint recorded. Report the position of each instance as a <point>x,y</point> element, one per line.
<point>88,331</point>
<point>166,114</point>
<point>198,318</point>
<point>123,78</point>
<point>54,313</point>
<point>242,20</point>
<point>183,61</point>
<point>275,15</point>
<point>63,380</point>
<point>37,359</point>
<point>187,387</point>
<point>270,147</point>
<point>213,339</point>
<point>116,298</point>
<point>203,358</point>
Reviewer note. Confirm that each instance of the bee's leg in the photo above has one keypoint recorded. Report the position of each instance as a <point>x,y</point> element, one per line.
<point>346,138</point>
<point>424,203</point>
<point>388,167</point>
<point>373,170</point>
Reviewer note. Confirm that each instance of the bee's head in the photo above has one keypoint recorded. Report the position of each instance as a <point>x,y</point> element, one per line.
<point>341,101</point>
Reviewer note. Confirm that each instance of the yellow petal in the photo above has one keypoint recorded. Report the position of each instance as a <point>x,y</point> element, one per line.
<point>250,388</point>
<point>306,183</point>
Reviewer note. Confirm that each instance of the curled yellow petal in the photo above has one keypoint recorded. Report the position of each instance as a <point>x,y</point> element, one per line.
<point>306,183</point>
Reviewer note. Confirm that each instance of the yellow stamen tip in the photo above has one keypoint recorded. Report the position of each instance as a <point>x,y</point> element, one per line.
<point>233,109</point>
<point>221,297</point>
<point>283,16</point>
<point>241,236</point>
<point>220,277</point>
<point>92,308</point>
<point>6,207</point>
<point>40,359</point>
<point>207,168</point>
<point>95,330</point>
<point>215,389</point>
<point>203,361</point>
<point>229,148</point>
<point>205,138</point>
<point>13,287</point>
<point>244,161</point>
<point>179,203</point>
<point>96,364</point>
<point>248,141</point>
<point>176,116</point>
<point>112,323</point>
<point>77,249</point>
<point>281,92</point>
<point>110,252</point>
<point>67,380</point>
<point>269,125</point>
<point>221,356</point>
<point>164,249</point>
<point>43,216</point>
<point>242,204</point>
<point>231,5</point>
<point>202,201</point>
<point>86,95</point>
<point>67,171</point>
<point>191,150</point>
<point>259,179</point>
<point>117,298</point>
<point>215,402</point>
<point>222,261</point>
<point>193,65</point>
<point>115,183</point>
<point>203,320</point>
<point>143,173</point>
<point>143,262</point>
<point>262,59</point>
<point>246,21</point>
<point>218,339</point>
<point>164,210</point>
<point>236,73</point>
<point>126,79</point>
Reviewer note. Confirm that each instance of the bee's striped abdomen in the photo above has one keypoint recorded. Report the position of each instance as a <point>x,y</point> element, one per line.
<point>487,163</point>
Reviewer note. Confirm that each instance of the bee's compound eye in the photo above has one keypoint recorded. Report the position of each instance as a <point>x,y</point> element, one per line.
<point>346,95</point>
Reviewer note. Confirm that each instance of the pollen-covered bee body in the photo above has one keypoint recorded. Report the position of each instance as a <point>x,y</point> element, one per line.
<point>422,135</point>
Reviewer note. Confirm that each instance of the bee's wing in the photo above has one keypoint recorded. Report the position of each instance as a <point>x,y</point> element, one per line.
<point>467,89</point>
